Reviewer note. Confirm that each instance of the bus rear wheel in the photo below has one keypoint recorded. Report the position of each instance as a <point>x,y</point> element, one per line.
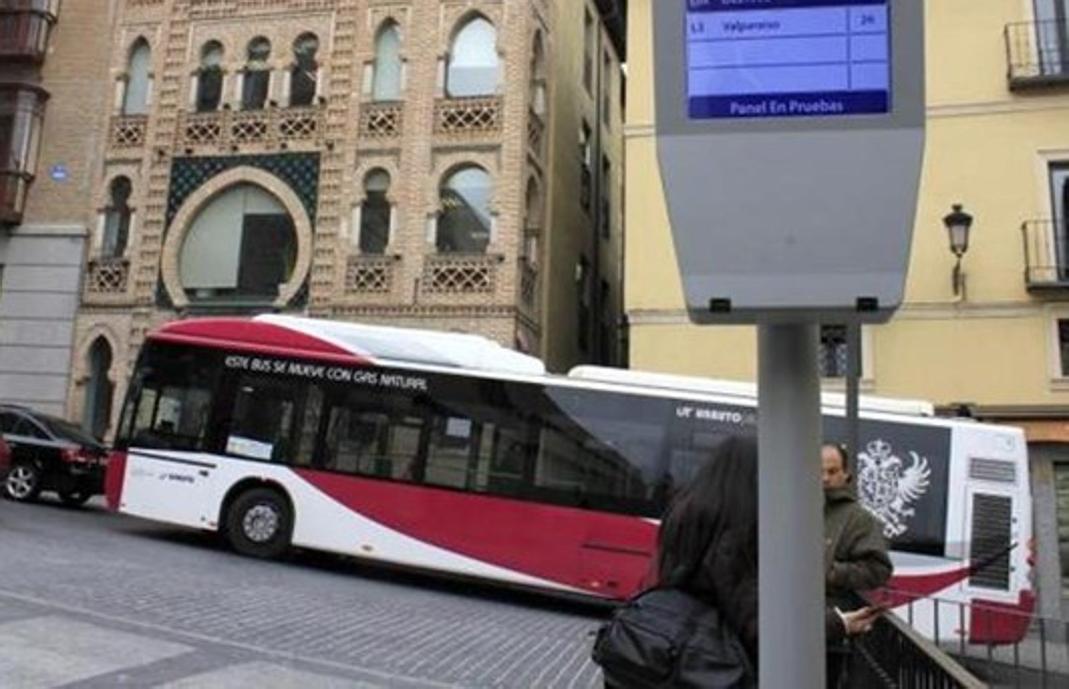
<point>258,523</point>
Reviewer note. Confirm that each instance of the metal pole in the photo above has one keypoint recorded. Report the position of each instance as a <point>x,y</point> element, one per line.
<point>790,503</point>
<point>853,378</point>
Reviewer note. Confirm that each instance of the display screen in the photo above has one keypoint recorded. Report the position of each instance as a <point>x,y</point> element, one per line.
<point>787,58</point>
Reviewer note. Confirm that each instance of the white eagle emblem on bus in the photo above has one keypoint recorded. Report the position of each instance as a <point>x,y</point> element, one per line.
<point>887,486</point>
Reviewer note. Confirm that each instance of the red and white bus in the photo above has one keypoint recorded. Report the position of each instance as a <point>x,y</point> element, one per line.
<point>449,453</point>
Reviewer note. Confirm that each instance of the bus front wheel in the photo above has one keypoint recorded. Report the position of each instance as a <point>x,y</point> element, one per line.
<point>259,522</point>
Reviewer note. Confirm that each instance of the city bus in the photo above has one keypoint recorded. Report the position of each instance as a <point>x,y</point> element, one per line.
<point>448,453</point>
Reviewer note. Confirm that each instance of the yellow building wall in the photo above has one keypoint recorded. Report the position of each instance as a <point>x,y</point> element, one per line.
<point>987,148</point>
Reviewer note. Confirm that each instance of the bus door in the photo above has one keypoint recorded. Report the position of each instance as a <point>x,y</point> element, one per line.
<point>167,432</point>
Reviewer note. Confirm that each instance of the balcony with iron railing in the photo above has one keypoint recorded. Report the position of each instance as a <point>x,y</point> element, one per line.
<point>25,26</point>
<point>1037,54</point>
<point>1046,254</point>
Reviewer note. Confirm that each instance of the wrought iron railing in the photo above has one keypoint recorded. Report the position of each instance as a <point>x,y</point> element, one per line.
<point>1046,253</point>
<point>1037,53</point>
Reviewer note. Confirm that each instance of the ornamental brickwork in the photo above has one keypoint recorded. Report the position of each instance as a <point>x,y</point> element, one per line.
<point>314,158</point>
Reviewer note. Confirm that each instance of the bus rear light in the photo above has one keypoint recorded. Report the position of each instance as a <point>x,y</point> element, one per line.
<point>114,478</point>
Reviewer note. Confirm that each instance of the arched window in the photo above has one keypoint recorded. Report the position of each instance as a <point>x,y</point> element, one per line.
<point>96,409</point>
<point>386,81</point>
<point>464,214</point>
<point>473,68</point>
<point>257,79</point>
<point>117,219</point>
<point>241,246</point>
<point>532,222</point>
<point>375,213</point>
<point>538,76</point>
<point>135,97</point>
<point>304,75</point>
<point>210,77</point>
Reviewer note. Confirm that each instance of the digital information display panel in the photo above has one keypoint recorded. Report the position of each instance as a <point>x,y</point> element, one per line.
<point>787,58</point>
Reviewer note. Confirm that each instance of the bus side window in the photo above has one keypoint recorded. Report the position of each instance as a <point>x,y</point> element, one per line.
<point>373,434</point>
<point>510,459</point>
<point>559,470</point>
<point>453,448</point>
<point>263,421</point>
<point>308,428</point>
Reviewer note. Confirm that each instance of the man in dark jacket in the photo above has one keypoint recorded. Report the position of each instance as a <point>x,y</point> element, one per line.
<point>855,550</point>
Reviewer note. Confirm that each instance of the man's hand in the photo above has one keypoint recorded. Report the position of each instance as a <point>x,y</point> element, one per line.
<point>861,620</point>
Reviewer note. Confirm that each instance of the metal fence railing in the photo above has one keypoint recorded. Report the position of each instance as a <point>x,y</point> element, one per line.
<point>1046,253</point>
<point>941,643</point>
<point>894,656</point>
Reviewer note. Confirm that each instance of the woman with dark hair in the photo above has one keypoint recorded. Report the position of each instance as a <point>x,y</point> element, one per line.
<point>707,545</point>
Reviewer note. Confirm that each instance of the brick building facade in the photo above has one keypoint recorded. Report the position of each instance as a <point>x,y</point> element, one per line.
<point>383,161</point>
<point>53,71</point>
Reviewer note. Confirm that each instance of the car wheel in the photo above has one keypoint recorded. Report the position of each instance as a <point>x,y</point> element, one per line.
<point>259,523</point>
<point>23,482</point>
<point>74,498</point>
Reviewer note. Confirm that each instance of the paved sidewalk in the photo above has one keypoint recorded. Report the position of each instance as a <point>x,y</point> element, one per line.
<point>93,600</point>
<point>45,646</point>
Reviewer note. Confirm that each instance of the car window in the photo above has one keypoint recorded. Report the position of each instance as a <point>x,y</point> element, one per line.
<point>67,430</point>
<point>28,429</point>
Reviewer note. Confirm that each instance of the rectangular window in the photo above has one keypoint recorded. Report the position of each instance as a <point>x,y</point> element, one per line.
<point>1063,346</point>
<point>254,89</point>
<point>833,351</point>
<point>606,89</point>
<point>373,434</point>
<point>1061,491</point>
<point>1059,197</point>
<point>602,451</point>
<point>589,38</point>
<point>586,159</point>
<point>605,335</point>
<point>605,212</point>
<point>266,419</point>
<point>583,286</point>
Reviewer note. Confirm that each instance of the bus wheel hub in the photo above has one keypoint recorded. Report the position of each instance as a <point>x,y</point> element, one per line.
<point>260,523</point>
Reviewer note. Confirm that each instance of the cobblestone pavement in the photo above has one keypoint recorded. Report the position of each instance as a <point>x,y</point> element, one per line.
<point>93,600</point>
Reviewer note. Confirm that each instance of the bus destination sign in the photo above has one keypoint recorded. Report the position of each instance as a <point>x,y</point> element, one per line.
<point>787,58</point>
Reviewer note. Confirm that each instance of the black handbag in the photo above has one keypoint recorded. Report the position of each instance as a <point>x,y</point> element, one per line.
<point>666,638</point>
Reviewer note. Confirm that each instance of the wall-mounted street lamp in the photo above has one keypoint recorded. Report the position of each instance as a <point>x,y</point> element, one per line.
<point>958,224</point>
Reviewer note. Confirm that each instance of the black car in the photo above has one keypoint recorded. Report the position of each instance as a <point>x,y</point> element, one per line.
<point>50,454</point>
